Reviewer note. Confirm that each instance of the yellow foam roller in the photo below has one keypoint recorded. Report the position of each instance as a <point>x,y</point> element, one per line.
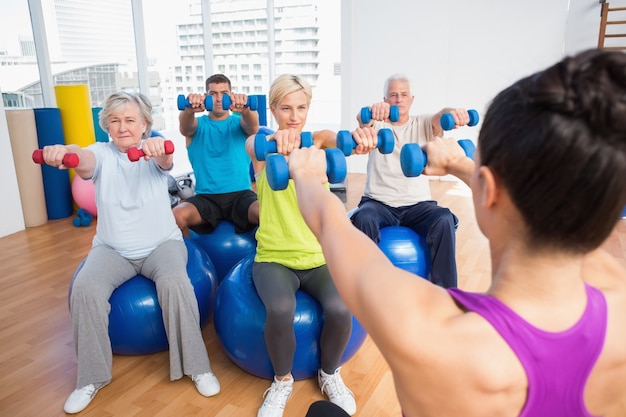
<point>76,116</point>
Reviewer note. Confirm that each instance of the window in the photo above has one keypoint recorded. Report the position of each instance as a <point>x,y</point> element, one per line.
<point>90,32</point>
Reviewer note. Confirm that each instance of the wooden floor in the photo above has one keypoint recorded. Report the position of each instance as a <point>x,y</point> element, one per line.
<point>37,360</point>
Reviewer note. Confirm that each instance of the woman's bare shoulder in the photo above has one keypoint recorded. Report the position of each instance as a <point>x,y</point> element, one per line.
<point>605,272</point>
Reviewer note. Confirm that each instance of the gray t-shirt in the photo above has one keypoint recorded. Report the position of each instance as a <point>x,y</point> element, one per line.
<point>134,211</point>
<point>385,180</point>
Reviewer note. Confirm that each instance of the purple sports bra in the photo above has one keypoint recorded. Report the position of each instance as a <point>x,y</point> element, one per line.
<point>557,364</point>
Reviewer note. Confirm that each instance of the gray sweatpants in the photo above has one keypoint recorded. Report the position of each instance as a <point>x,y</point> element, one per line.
<point>103,271</point>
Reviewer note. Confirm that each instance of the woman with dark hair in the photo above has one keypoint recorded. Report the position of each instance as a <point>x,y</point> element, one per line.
<point>549,336</point>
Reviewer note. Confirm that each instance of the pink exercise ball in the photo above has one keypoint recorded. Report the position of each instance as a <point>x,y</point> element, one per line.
<point>84,195</point>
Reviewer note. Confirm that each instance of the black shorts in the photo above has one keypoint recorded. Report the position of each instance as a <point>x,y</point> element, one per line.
<point>228,206</point>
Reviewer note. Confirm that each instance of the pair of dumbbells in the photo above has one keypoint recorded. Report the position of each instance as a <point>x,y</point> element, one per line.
<point>71,160</point>
<point>183,102</point>
<point>277,168</point>
<point>345,143</point>
<point>82,219</point>
<point>385,136</point>
<point>446,120</point>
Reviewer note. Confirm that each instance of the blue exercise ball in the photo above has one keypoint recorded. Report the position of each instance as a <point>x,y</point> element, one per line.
<point>239,320</point>
<point>136,322</point>
<point>224,246</point>
<point>405,249</point>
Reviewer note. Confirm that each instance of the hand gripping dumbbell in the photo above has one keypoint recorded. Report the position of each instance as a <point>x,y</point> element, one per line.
<point>277,169</point>
<point>346,143</point>
<point>366,114</point>
<point>263,146</point>
<point>413,159</point>
<point>70,160</point>
<point>183,102</point>
<point>251,102</point>
<point>447,120</point>
<point>135,154</point>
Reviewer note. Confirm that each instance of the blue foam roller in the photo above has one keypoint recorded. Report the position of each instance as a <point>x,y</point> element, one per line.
<point>262,109</point>
<point>56,182</point>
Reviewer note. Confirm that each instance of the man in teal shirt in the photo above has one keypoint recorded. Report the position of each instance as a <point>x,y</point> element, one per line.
<point>221,166</point>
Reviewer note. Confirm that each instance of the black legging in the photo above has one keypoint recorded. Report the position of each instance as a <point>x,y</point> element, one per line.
<point>277,286</point>
<point>324,408</point>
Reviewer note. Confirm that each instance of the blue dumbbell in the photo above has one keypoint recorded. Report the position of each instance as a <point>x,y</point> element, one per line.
<point>82,219</point>
<point>277,169</point>
<point>346,143</point>
<point>263,146</point>
<point>251,102</point>
<point>183,102</point>
<point>413,159</point>
<point>366,114</point>
<point>447,120</point>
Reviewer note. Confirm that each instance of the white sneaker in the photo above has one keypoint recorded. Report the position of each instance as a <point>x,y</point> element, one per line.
<point>80,398</point>
<point>333,386</point>
<point>206,384</point>
<point>276,397</point>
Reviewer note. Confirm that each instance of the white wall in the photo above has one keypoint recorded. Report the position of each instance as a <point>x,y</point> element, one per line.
<point>456,53</point>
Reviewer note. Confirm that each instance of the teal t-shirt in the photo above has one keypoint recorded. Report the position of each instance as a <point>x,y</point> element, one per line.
<point>218,156</point>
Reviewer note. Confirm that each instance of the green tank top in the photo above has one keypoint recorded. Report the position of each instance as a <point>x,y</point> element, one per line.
<point>283,236</point>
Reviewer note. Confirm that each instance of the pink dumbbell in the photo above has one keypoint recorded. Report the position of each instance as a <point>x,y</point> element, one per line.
<point>135,154</point>
<point>70,160</point>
